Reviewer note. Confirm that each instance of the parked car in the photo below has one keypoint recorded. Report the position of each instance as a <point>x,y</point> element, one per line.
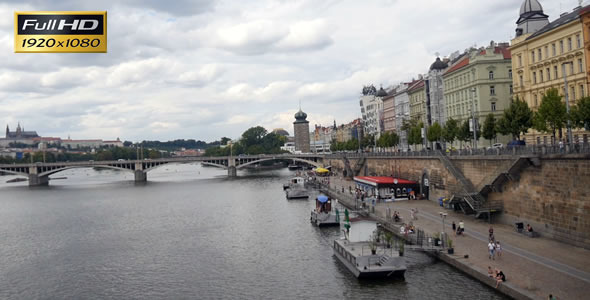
<point>516,143</point>
<point>496,146</point>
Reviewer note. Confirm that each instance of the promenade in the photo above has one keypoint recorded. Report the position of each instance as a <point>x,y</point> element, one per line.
<point>534,267</point>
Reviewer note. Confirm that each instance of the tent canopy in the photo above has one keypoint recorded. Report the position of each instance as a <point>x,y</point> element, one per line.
<point>323,198</point>
<point>322,170</point>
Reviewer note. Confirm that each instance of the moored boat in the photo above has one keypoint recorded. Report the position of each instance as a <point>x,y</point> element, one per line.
<point>365,257</point>
<point>324,214</point>
<point>296,189</point>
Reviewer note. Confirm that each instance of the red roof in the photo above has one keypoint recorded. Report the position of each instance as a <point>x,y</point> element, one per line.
<point>462,63</point>
<point>375,180</point>
<point>417,84</point>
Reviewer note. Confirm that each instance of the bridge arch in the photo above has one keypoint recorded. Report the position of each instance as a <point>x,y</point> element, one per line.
<point>14,173</point>
<point>156,166</point>
<point>309,162</point>
<point>51,172</point>
<point>213,164</point>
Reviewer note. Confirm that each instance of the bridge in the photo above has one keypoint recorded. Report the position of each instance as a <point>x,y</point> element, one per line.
<point>38,173</point>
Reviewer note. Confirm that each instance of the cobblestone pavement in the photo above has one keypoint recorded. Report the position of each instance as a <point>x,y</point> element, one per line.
<point>540,266</point>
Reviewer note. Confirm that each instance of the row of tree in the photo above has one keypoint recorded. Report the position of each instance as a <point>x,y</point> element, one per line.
<point>114,153</point>
<point>255,140</point>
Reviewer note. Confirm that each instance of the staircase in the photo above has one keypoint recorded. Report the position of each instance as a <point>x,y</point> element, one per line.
<point>472,201</point>
<point>505,173</point>
<point>383,260</point>
<point>359,165</point>
<point>347,167</point>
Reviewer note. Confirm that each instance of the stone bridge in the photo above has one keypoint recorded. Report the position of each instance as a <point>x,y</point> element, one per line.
<point>38,173</point>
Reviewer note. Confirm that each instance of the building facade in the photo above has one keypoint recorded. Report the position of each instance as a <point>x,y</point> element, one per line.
<point>389,113</point>
<point>542,57</point>
<point>417,95</point>
<point>480,80</point>
<point>402,112</point>
<point>435,104</point>
<point>371,103</point>
<point>301,129</point>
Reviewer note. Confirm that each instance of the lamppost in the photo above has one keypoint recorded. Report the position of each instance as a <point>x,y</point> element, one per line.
<point>473,119</point>
<point>567,102</point>
<point>443,215</point>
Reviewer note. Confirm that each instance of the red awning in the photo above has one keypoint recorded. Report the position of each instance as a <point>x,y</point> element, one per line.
<point>381,180</point>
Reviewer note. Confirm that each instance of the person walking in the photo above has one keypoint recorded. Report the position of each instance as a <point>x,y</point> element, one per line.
<point>491,248</point>
<point>454,228</point>
<point>462,227</point>
<point>498,249</point>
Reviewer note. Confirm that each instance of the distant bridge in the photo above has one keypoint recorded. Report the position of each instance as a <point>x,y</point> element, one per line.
<point>38,173</point>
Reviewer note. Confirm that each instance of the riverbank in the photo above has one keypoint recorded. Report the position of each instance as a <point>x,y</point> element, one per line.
<point>534,267</point>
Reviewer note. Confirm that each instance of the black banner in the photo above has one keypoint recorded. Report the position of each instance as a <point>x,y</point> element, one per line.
<point>61,24</point>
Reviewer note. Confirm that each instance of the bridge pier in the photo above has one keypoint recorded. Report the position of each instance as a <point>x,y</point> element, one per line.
<point>140,176</point>
<point>232,172</point>
<point>36,180</point>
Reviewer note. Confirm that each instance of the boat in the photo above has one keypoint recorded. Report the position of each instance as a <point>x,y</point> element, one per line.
<point>294,167</point>
<point>323,214</point>
<point>360,252</point>
<point>296,189</point>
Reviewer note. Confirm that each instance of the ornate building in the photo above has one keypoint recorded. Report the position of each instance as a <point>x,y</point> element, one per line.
<point>542,55</point>
<point>435,104</point>
<point>20,133</point>
<point>301,128</point>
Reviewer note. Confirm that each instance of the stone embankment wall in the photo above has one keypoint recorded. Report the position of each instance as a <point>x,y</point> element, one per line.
<point>554,197</point>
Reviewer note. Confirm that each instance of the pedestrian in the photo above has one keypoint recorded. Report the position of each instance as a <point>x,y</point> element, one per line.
<point>491,231</point>
<point>462,227</point>
<point>500,278</point>
<point>551,297</point>
<point>498,249</point>
<point>412,214</point>
<point>491,248</point>
<point>454,227</point>
<point>491,272</point>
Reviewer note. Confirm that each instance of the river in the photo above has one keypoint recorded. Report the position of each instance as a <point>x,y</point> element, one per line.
<point>189,232</point>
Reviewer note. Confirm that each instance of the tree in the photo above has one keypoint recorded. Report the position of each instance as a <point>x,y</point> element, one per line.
<point>415,133</point>
<point>464,134</point>
<point>489,128</point>
<point>552,114</point>
<point>450,130</point>
<point>434,132</point>
<point>516,120</point>
<point>388,139</point>
<point>253,136</point>
<point>581,114</point>
<point>224,140</point>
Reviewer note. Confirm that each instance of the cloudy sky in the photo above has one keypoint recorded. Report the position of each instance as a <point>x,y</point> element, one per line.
<point>204,69</point>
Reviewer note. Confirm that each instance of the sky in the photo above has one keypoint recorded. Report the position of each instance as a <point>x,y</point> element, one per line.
<point>205,69</point>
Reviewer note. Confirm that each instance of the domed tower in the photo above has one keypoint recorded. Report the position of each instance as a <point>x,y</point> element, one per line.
<point>301,128</point>
<point>531,18</point>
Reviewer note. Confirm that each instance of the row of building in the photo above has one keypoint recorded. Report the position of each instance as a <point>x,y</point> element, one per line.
<point>20,137</point>
<point>482,81</point>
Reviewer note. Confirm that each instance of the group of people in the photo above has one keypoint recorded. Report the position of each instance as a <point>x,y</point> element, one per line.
<point>496,274</point>
<point>396,216</point>
<point>406,229</point>
<point>494,249</point>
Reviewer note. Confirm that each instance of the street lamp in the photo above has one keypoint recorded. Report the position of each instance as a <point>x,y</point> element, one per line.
<point>443,215</point>
<point>473,119</point>
<point>567,102</point>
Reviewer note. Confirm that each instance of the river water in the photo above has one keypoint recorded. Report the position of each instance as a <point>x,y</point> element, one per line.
<point>190,232</point>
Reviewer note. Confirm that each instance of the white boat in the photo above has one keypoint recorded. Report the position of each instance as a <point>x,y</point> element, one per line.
<point>324,214</point>
<point>296,189</point>
<point>364,257</point>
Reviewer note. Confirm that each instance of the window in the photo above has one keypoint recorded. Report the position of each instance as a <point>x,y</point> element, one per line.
<point>548,74</point>
<point>561,46</point>
<point>510,73</point>
<point>520,80</point>
<point>534,77</point>
<point>546,51</point>
<point>578,41</point>
<point>492,90</point>
<point>573,95</point>
<point>569,44</point>
<point>512,90</point>
<point>553,51</point>
<point>491,75</point>
<point>538,140</point>
<point>493,106</point>
<point>555,72</point>
<point>533,55</point>
<point>520,60</point>
<point>545,140</point>
<point>540,52</point>
<point>541,76</point>
<point>582,94</point>
<point>580,66</point>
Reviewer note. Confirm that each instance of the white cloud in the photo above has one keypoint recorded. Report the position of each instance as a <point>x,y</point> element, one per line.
<point>206,69</point>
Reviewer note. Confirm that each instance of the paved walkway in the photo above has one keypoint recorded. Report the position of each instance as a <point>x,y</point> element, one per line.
<point>539,266</point>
